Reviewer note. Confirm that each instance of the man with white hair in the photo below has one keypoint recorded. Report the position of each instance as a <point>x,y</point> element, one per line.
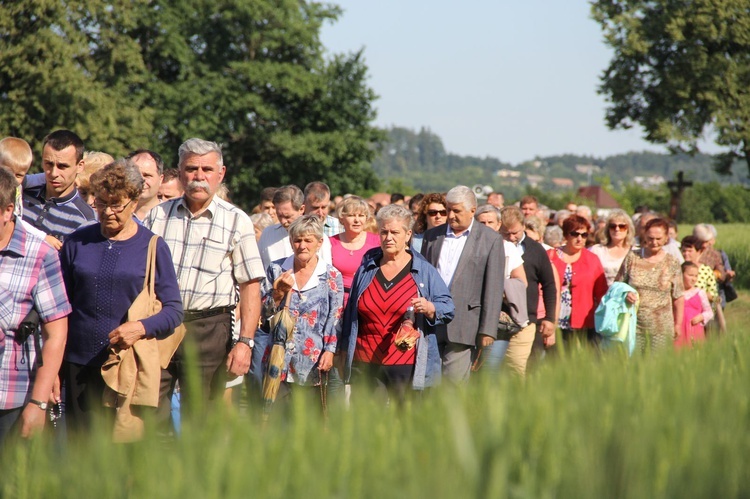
<point>214,251</point>
<point>470,258</point>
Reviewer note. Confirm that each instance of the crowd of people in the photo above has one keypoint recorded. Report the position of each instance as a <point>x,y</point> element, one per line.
<point>122,282</point>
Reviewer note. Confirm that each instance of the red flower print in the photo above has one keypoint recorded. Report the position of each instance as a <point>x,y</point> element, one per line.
<point>309,345</point>
<point>328,339</point>
<point>312,318</point>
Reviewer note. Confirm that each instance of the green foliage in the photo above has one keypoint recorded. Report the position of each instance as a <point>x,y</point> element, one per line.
<point>583,425</point>
<point>680,68</point>
<point>250,75</point>
<point>420,161</point>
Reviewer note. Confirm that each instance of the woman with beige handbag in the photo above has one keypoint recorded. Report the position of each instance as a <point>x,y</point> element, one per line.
<point>105,268</point>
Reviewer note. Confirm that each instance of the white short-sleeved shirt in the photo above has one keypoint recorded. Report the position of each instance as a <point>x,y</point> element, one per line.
<point>513,258</point>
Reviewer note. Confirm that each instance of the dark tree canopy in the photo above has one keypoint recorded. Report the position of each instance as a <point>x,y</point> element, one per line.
<point>681,69</point>
<point>249,74</point>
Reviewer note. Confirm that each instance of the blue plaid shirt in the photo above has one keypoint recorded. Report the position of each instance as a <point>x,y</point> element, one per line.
<point>30,276</point>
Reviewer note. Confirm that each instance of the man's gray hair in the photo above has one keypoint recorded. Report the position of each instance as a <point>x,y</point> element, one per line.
<point>462,195</point>
<point>289,194</point>
<point>395,212</point>
<point>317,191</point>
<point>487,208</point>
<point>199,147</point>
<point>304,225</point>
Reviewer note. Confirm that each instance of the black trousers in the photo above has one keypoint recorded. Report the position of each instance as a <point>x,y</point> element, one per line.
<point>199,364</point>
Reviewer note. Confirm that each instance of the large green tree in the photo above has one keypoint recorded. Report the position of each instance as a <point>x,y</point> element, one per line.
<point>249,74</point>
<point>681,69</point>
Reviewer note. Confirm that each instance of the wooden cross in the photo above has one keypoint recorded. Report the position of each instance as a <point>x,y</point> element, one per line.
<point>676,188</point>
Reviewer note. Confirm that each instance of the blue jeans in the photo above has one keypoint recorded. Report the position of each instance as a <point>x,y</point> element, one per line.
<point>494,355</point>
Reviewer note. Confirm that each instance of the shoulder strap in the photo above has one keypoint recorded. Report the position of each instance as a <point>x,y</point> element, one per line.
<point>150,279</point>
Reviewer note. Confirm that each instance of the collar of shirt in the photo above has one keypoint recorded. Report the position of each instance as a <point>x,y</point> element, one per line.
<point>17,243</point>
<point>208,212</point>
<point>40,192</point>
<point>520,245</point>
<point>451,234</point>
<point>320,269</point>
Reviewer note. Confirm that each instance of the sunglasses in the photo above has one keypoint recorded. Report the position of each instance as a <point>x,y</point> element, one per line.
<point>618,226</point>
<point>579,234</point>
<point>434,213</point>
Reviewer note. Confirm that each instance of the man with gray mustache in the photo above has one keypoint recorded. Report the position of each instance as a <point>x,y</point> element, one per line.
<point>214,251</point>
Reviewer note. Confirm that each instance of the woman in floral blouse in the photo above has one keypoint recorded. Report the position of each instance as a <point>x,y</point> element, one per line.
<point>317,298</point>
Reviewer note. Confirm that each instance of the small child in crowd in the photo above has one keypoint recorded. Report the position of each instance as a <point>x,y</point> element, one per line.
<point>697,308</point>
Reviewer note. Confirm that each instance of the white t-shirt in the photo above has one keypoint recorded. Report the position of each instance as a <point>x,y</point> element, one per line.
<point>513,258</point>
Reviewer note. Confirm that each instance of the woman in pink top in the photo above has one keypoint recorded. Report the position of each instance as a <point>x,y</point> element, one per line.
<point>348,248</point>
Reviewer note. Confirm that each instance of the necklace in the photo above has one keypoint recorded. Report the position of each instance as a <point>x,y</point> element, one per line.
<point>354,241</point>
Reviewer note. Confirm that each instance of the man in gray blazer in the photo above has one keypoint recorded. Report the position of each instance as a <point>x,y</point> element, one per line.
<point>470,259</point>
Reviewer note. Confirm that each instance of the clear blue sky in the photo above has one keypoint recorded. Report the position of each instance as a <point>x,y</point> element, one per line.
<point>507,78</point>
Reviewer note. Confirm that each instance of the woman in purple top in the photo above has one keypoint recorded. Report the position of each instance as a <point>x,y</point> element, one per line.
<point>104,267</point>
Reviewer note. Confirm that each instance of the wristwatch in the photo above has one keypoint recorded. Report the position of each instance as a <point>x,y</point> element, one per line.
<point>42,405</point>
<point>247,341</point>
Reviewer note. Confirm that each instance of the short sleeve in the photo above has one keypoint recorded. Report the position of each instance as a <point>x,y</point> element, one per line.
<point>50,297</point>
<point>247,264</point>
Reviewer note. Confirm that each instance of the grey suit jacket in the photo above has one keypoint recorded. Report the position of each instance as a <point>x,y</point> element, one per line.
<point>477,286</point>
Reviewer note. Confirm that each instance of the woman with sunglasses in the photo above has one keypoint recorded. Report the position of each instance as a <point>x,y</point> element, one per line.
<point>619,235</point>
<point>582,282</point>
<point>432,212</point>
<point>657,277</point>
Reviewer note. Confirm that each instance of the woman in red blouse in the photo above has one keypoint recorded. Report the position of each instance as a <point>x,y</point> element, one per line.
<point>582,281</point>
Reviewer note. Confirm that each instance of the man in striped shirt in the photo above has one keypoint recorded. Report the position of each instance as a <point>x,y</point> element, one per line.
<point>55,207</point>
<point>214,251</point>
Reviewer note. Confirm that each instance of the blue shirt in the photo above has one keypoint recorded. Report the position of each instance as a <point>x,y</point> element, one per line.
<point>103,282</point>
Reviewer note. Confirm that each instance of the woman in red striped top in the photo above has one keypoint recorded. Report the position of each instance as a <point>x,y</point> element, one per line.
<point>382,305</point>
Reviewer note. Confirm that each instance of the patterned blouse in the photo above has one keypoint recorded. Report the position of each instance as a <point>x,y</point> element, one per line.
<point>318,308</point>
<point>658,285</point>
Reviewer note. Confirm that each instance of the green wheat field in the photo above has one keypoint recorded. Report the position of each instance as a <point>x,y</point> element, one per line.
<point>581,425</point>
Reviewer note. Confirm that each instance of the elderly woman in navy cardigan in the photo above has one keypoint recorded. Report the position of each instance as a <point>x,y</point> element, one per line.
<point>391,280</point>
<point>104,267</point>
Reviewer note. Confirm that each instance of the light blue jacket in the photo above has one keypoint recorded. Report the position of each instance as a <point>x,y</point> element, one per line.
<point>610,314</point>
<point>431,286</point>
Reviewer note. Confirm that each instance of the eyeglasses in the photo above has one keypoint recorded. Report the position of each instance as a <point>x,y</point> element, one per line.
<point>116,208</point>
<point>579,234</point>
<point>618,226</point>
<point>434,213</point>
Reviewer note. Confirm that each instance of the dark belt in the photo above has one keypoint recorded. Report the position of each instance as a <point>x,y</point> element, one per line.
<point>194,315</point>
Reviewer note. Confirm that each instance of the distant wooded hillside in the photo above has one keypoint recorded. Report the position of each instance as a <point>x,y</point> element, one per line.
<point>418,161</point>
